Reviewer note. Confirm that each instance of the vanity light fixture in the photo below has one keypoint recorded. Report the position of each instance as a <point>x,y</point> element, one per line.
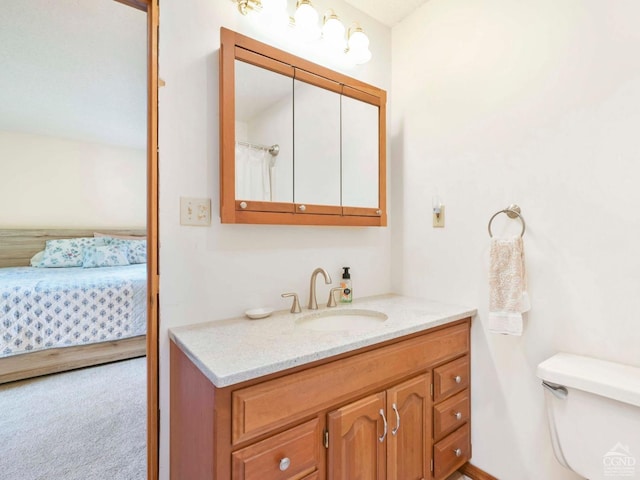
<point>358,45</point>
<point>355,47</point>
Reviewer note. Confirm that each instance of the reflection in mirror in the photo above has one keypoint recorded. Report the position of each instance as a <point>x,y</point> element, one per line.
<point>264,116</point>
<point>317,145</point>
<point>359,153</point>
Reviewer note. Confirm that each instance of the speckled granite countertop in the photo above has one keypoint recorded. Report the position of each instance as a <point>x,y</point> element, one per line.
<point>239,349</point>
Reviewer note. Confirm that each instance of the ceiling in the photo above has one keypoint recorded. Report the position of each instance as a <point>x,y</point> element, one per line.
<point>387,12</point>
<point>74,69</point>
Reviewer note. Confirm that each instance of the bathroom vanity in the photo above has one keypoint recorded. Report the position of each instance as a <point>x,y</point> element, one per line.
<point>300,396</point>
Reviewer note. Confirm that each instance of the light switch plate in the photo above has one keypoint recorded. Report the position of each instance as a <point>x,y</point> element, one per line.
<point>195,211</point>
<point>438,220</point>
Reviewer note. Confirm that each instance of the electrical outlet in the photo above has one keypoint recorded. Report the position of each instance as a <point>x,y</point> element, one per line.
<point>438,218</point>
<point>195,211</point>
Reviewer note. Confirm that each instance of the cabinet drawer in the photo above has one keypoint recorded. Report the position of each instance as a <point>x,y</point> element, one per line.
<point>451,452</point>
<point>287,456</point>
<point>450,378</point>
<point>274,403</point>
<point>451,414</point>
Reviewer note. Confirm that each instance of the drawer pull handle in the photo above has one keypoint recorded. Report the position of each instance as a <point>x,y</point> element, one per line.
<point>384,419</point>
<point>458,415</point>
<point>284,463</point>
<point>457,379</point>
<point>243,205</point>
<point>395,430</point>
<point>458,452</point>
<point>302,208</point>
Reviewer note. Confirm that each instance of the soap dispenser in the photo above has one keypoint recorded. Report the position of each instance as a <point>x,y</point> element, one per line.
<point>347,293</point>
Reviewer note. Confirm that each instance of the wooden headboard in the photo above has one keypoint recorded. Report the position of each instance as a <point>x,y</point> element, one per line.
<point>17,246</point>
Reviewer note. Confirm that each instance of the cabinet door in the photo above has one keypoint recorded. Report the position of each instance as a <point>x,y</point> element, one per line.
<point>355,449</point>
<point>409,414</point>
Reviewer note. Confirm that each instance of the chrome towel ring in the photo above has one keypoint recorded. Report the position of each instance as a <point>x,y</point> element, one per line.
<point>512,211</point>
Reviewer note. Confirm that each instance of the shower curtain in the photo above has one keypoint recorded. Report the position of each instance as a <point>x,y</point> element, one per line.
<point>253,173</point>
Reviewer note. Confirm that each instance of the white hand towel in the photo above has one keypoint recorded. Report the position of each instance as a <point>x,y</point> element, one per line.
<point>508,298</point>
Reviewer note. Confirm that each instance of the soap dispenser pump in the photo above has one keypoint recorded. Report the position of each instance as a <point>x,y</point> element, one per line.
<point>346,296</point>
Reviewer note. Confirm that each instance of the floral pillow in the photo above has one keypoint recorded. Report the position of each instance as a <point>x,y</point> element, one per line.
<point>105,256</point>
<point>66,252</point>
<point>136,249</point>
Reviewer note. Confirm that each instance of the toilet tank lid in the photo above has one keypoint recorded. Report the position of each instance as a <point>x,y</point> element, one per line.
<point>607,379</point>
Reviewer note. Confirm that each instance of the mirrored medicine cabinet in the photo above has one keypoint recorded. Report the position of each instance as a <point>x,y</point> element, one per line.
<point>300,144</point>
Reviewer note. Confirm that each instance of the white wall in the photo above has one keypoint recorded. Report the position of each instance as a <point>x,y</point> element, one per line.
<point>221,270</point>
<point>535,103</point>
<point>48,182</point>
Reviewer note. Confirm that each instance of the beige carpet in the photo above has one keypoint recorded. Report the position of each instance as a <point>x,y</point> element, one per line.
<point>87,424</point>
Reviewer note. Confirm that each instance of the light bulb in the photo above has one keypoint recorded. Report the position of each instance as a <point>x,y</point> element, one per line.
<point>333,31</point>
<point>306,16</point>
<point>358,51</point>
<point>358,40</point>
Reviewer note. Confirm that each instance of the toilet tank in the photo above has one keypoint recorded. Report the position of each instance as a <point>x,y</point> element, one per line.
<point>593,408</point>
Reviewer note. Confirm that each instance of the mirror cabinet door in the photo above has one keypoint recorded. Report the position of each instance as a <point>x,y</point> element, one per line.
<point>300,144</point>
<point>360,153</point>
<point>264,138</point>
<point>316,144</point>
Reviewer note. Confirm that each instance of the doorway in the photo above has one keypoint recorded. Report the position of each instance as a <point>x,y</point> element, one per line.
<point>151,9</point>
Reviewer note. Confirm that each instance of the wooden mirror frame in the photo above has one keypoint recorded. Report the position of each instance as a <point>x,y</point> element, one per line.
<point>236,46</point>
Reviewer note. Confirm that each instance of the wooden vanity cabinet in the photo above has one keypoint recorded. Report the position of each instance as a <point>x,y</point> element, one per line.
<point>327,420</point>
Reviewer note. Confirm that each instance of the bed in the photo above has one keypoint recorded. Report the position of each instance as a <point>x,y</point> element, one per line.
<point>57,319</point>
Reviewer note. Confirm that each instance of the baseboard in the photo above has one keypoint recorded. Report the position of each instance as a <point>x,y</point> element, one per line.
<point>474,473</point>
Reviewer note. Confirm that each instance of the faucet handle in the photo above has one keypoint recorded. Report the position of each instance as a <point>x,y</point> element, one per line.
<point>295,307</point>
<point>332,297</point>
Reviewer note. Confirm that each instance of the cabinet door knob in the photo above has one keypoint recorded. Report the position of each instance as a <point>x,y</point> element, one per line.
<point>394,432</point>
<point>457,379</point>
<point>243,205</point>
<point>384,419</point>
<point>302,208</point>
<point>458,415</point>
<point>458,452</point>
<point>284,463</point>
<point>378,212</point>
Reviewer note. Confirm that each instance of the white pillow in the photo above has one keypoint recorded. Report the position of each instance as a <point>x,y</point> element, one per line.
<point>36,260</point>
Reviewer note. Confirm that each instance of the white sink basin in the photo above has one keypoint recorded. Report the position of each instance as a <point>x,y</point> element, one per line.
<point>342,320</point>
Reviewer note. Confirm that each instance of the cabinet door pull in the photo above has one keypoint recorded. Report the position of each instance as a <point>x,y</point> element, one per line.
<point>458,415</point>
<point>457,379</point>
<point>284,463</point>
<point>458,452</point>
<point>384,433</point>
<point>395,430</point>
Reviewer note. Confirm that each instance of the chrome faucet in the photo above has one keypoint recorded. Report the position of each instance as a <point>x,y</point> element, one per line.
<point>313,303</point>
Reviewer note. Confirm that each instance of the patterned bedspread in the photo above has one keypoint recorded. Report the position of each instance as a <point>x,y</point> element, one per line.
<point>57,307</point>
